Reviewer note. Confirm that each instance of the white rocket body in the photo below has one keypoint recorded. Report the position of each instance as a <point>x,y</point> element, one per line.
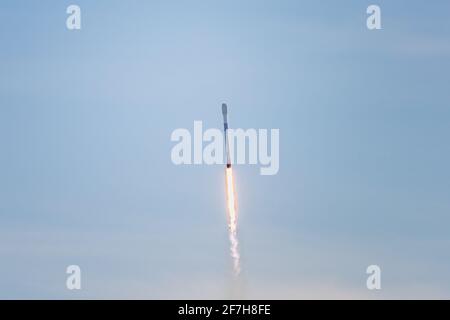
<point>225,129</point>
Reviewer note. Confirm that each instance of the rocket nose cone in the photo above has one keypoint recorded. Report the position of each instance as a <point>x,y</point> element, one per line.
<point>224,108</point>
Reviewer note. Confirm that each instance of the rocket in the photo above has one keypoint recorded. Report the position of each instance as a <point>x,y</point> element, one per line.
<point>231,198</point>
<point>225,129</point>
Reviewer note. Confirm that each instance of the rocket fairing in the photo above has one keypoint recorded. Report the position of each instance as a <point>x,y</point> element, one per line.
<point>225,129</point>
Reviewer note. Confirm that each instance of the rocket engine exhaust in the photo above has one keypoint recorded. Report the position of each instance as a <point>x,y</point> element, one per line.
<point>231,199</point>
<point>232,220</point>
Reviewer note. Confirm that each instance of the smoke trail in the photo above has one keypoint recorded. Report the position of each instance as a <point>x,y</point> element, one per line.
<point>232,220</point>
<point>235,253</point>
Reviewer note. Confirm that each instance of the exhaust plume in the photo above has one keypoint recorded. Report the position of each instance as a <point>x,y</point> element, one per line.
<point>232,220</point>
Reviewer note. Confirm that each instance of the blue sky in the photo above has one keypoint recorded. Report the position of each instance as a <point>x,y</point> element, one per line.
<point>85,170</point>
